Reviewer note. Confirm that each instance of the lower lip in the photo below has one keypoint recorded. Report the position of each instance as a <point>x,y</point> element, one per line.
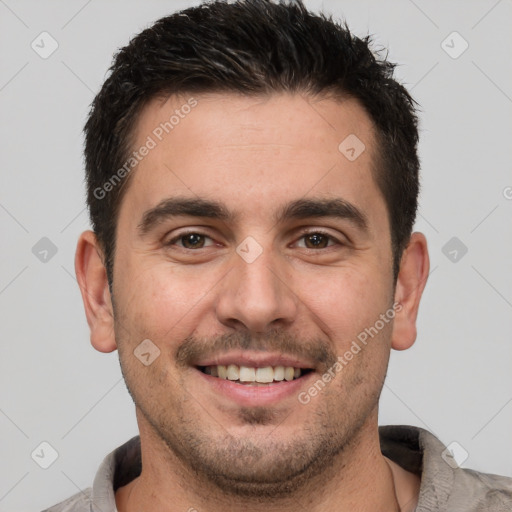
<point>253,396</point>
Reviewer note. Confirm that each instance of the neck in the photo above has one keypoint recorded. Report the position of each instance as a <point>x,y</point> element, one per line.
<point>358,480</point>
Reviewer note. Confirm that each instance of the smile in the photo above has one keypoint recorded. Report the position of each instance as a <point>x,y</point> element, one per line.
<point>254,375</point>
<point>252,378</point>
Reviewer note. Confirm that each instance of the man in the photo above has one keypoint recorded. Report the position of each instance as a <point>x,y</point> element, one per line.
<point>252,182</point>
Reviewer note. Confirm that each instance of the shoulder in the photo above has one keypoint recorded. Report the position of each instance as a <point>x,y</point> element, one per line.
<point>469,489</point>
<point>79,502</point>
<point>480,491</point>
<point>444,485</point>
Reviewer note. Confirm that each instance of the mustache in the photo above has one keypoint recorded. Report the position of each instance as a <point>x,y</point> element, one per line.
<point>315,350</point>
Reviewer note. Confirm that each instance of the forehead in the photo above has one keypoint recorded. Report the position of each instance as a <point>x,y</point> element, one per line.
<point>236,120</point>
<point>253,152</point>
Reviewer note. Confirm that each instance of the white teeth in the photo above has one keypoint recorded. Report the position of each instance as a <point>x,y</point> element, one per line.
<point>265,375</point>
<point>249,374</point>
<point>222,371</point>
<point>279,373</point>
<point>233,372</point>
<point>288,373</point>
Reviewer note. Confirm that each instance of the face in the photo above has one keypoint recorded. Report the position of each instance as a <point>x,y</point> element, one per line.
<point>246,238</point>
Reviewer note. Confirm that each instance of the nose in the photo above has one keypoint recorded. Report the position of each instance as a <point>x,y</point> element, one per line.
<point>257,296</point>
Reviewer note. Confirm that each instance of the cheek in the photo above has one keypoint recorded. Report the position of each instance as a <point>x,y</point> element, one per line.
<point>162,302</point>
<point>344,301</point>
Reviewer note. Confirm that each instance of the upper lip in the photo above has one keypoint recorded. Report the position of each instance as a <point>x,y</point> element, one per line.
<point>255,359</point>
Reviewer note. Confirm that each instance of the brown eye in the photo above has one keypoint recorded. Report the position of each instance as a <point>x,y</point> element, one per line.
<point>190,240</point>
<point>317,240</point>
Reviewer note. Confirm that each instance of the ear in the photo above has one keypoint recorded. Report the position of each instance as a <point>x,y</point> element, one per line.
<point>412,277</point>
<point>92,279</point>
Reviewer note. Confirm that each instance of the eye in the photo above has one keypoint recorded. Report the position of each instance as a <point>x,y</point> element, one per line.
<point>195,240</point>
<point>191,240</point>
<point>317,240</point>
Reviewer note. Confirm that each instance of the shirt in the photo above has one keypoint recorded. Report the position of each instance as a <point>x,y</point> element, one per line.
<point>444,486</point>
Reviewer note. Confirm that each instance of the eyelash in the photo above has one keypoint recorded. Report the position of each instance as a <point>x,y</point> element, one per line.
<point>302,235</point>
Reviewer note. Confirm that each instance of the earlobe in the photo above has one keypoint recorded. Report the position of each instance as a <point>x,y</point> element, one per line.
<point>92,279</point>
<point>412,278</point>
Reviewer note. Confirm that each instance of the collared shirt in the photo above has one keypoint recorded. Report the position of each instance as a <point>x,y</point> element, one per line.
<point>444,486</point>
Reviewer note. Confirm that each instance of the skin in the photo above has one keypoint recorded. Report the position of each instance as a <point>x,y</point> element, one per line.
<point>200,448</point>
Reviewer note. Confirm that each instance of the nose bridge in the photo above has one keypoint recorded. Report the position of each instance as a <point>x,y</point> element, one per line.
<point>256,292</point>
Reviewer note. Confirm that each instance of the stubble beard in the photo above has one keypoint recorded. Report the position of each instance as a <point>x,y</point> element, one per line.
<point>255,467</point>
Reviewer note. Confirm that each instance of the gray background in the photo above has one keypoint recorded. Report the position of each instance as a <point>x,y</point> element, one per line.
<point>456,380</point>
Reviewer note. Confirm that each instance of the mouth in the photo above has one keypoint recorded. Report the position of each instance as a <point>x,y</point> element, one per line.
<point>255,376</point>
<point>251,378</point>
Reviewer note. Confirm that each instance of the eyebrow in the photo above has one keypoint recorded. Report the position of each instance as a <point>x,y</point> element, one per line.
<point>298,209</point>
